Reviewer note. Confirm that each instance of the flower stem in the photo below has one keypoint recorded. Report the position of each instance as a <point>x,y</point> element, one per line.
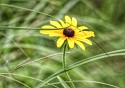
<point>64,66</point>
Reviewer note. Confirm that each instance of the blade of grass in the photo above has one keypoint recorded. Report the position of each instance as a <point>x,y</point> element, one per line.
<point>25,28</point>
<point>96,82</point>
<point>27,9</point>
<point>3,75</point>
<point>74,65</point>
<point>69,5</point>
<point>38,7</point>
<point>16,81</point>
<point>63,82</point>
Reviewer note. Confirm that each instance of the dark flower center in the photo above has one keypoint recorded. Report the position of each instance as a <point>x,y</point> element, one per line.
<point>68,32</point>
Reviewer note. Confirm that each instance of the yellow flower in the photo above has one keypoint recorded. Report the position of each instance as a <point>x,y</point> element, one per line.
<point>68,31</point>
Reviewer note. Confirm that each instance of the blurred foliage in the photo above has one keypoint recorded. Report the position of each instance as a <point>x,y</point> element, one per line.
<point>18,47</point>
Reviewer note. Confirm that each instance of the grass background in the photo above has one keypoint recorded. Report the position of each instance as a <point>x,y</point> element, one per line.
<point>89,69</point>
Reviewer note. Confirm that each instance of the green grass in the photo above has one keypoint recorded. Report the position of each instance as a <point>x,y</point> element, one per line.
<point>29,59</point>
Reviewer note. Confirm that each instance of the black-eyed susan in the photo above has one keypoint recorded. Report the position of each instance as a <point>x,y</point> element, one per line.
<point>68,31</point>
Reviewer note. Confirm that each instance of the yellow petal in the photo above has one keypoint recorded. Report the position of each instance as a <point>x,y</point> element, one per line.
<point>62,23</point>
<point>79,34</point>
<point>88,34</point>
<point>60,41</point>
<point>55,34</point>
<point>84,34</point>
<point>87,41</point>
<point>52,32</point>
<point>80,44</point>
<point>56,24</point>
<point>74,22</point>
<point>68,20</point>
<point>82,28</point>
<point>70,42</point>
<point>48,27</point>
<point>47,31</point>
<point>83,39</point>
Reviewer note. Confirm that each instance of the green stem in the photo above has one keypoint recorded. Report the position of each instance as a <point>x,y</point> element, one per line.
<point>64,60</point>
<point>64,66</point>
<point>26,28</point>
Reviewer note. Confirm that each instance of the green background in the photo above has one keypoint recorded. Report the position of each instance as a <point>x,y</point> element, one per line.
<point>19,46</point>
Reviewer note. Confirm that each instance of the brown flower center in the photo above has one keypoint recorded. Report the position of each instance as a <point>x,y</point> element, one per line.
<point>68,32</point>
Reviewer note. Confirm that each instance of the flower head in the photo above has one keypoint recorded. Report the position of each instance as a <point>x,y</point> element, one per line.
<point>68,31</point>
